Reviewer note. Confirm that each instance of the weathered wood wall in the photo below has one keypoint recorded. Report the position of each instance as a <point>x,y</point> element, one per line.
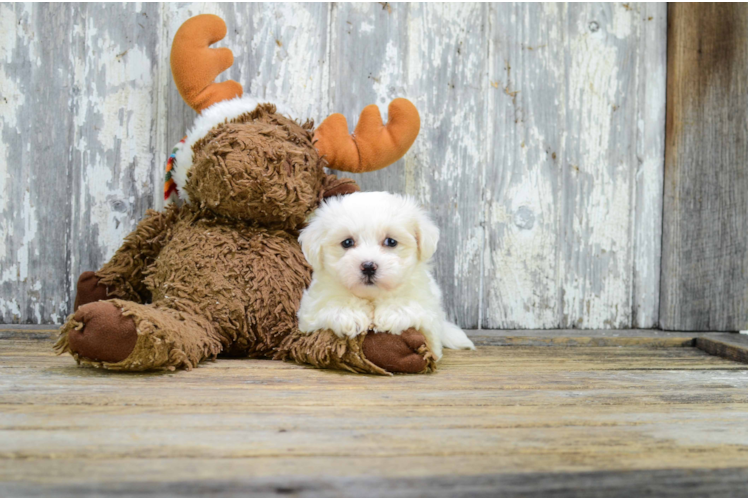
<point>541,152</point>
<point>705,257</point>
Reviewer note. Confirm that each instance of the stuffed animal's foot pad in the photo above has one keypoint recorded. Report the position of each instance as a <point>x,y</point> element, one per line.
<point>89,290</point>
<point>404,353</point>
<point>106,335</point>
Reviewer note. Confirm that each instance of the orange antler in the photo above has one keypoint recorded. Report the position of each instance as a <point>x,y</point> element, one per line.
<point>372,145</point>
<point>195,65</point>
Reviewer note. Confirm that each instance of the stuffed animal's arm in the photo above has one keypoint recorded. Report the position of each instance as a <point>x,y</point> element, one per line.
<point>375,353</point>
<point>123,274</point>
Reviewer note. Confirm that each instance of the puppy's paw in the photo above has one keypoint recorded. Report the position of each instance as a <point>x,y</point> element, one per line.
<point>351,323</point>
<point>394,320</point>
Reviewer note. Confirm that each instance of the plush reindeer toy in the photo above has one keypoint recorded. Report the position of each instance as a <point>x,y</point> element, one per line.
<point>223,272</point>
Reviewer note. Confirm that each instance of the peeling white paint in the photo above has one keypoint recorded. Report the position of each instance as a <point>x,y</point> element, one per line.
<point>571,170</point>
<point>10,103</point>
<point>10,309</point>
<point>390,73</point>
<point>466,258</point>
<point>286,46</point>
<point>648,187</point>
<point>11,99</point>
<point>120,98</point>
<point>521,260</point>
<point>622,25</point>
<point>8,22</point>
<point>29,237</point>
<point>597,296</point>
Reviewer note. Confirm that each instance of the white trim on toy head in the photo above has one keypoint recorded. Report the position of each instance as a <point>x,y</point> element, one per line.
<point>218,113</point>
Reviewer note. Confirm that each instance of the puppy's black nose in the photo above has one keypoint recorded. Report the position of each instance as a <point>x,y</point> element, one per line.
<point>369,268</point>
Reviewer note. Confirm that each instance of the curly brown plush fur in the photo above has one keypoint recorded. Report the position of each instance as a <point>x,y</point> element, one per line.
<point>225,273</point>
<point>260,166</point>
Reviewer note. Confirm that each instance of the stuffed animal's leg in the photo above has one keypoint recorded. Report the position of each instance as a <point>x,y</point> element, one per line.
<point>122,335</point>
<point>89,290</point>
<point>375,353</point>
<point>122,277</point>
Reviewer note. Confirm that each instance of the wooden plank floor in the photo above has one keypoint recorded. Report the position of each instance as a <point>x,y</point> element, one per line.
<point>559,418</point>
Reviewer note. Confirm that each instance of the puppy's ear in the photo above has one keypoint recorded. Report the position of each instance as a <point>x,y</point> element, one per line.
<point>426,234</point>
<point>311,243</point>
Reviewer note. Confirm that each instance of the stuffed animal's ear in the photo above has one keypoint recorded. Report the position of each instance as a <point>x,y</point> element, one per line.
<point>427,236</point>
<point>339,187</point>
<point>311,240</point>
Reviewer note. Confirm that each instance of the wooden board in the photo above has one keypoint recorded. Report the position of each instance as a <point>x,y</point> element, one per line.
<point>705,239</point>
<point>37,131</point>
<point>529,240</point>
<point>724,345</point>
<point>645,483</point>
<point>577,338</point>
<point>502,420</point>
<point>78,128</point>
<point>572,198</point>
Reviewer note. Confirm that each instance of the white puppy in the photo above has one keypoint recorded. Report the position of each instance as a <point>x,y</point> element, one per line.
<point>370,254</point>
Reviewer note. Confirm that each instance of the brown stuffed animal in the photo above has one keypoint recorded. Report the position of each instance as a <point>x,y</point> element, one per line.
<point>224,272</point>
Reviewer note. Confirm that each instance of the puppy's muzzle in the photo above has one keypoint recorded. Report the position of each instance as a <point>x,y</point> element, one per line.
<point>369,270</point>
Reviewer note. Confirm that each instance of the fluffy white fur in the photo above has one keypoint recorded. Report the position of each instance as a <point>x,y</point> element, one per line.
<point>216,114</point>
<point>402,294</point>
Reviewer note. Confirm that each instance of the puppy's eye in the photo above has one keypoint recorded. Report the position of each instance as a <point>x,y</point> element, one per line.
<point>389,242</point>
<point>347,243</point>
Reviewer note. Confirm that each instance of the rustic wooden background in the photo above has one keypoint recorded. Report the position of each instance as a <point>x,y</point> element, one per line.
<point>541,152</point>
<point>705,238</point>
